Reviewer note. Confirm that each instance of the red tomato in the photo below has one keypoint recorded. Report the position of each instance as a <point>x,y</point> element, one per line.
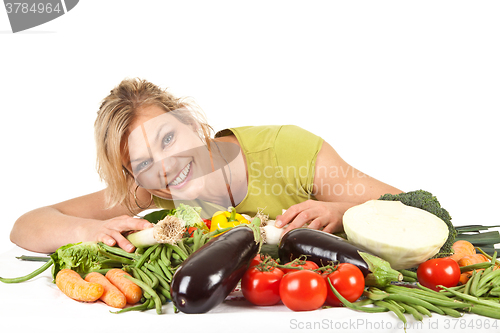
<point>191,231</point>
<point>303,290</point>
<point>440,271</point>
<point>208,223</point>
<point>262,288</point>
<point>310,265</point>
<point>348,280</point>
<point>255,261</point>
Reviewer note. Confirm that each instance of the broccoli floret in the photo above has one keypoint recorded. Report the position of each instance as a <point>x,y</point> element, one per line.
<point>426,201</point>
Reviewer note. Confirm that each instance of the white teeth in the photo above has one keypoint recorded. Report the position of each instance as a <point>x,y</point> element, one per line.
<point>182,176</point>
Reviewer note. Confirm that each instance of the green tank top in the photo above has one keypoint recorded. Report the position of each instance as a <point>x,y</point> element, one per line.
<point>280,162</point>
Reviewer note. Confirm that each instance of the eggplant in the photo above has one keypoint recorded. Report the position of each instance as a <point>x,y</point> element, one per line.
<point>320,247</point>
<point>324,248</point>
<point>209,275</point>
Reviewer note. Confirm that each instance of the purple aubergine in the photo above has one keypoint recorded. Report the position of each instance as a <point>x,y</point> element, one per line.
<point>320,247</point>
<point>208,275</point>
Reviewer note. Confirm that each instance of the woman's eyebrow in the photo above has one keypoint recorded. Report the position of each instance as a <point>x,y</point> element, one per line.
<point>160,130</point>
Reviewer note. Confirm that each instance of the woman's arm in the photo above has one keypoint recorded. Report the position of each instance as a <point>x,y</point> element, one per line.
<point>337,187</point>
<point>76,220</point>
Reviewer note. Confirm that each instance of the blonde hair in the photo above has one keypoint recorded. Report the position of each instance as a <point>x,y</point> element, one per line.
<point>115,115</point>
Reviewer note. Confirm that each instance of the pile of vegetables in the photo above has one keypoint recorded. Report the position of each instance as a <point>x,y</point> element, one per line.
<point>85,271</point>
<point>399,254</point>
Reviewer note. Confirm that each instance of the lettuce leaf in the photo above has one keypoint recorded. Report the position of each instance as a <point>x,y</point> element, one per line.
<point>82,257</point>
<point>190,215</point>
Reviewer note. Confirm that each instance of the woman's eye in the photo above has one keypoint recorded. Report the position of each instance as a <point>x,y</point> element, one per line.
<point>143,165</point>
<point>167,139</point>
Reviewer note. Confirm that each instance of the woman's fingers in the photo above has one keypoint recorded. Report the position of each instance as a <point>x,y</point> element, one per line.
<point>318,215</point>
<point>291,213</point>
<point>113,229</point>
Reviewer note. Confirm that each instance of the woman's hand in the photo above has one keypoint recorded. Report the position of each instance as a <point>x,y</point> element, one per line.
<point>320,215</point>
<point>111,231</point>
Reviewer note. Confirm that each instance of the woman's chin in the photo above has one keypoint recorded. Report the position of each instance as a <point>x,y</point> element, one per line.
<point>190,191</point>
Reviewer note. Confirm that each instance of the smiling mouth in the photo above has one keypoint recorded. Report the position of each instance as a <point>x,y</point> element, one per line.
<point>182,176</point>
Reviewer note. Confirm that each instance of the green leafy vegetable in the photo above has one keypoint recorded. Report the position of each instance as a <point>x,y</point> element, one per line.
<point>190,215</point>
<point>80,257</point>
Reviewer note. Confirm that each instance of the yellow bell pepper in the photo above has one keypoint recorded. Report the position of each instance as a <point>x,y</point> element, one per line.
<point>230,218</point>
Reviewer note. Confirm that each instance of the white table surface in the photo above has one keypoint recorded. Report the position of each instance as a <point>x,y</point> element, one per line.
<point>38,304</point>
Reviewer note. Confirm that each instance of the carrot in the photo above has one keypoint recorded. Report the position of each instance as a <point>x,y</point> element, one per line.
<point>72,285</point>
<point>472,259</point>
<point>112,296</point>
<point>464,277</point>
<point>461,249</point>
<point>132,292</point>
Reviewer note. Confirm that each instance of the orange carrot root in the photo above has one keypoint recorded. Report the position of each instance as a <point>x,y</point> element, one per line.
<point>472,259</point>
<point>112,296</point>
<point>461,249</point>
<point>73,286</point>
<point>132,292</point>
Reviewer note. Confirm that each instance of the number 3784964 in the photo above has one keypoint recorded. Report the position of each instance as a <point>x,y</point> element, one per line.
<point>34,8</point>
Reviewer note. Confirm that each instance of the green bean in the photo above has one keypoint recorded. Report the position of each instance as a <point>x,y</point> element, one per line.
<point>473,299</point>
<point>119,251</point>
<point>124,261</point>
<point>375,295</point>
<point>413,300</point>
<point>162,298</point>
<point>422,310</point>
<point>31,275</point>
<point>154,279</point>
<point>441,294</point>
<point>140,275</point>
<point>475,280</point>
<point>196,238</point>
<point>166,271</point>
<point>33,258</point>
<point>143,276</point>
<point>409,279</point>
<point>391,307</point>
<point>411,310</point>
<point>486,311</point>
<point>140,307</point>
<point>365,301</point>
<point>156,253</point>
<point>146,255</point>
<point>176,256</point>
<point>468,284</point>
<point>473,267</point>
<point>164,292</point>
<point>164,257</point>
<point>352,306</point>
<point>181,250</point>
<point>396,304</point>
<point>111,263</point>
<point>451,312</point>
<point>439,301</point>
<point>140,251</point>
<point>153,268</point>
<point>481,291</point>
<point>157,269</point>
<point>162,281</point>
<point>487,277</point>
<point>149,290</point>
<point>421,291</point>
<point>217,231</point>
<point>408,273</point>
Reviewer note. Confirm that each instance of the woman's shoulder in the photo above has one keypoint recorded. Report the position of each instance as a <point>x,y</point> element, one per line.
<point>268,136</point>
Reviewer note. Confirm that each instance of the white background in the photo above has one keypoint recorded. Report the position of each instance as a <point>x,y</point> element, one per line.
<point>407,92</point>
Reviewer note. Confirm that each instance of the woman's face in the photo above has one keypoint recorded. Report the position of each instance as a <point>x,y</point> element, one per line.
<point>167,157</point>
